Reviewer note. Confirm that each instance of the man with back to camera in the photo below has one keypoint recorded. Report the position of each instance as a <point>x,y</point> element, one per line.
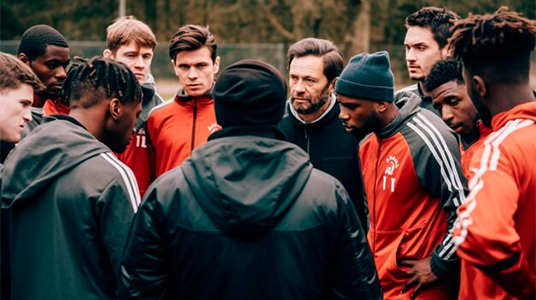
<point>412,177</point>
<point>175,128</point>
<point>450,98</point>
<point>496,230</point>
<point>312,115</point>
<point>428,30</point>
<point>132,42</point>
<point>69,201</point>
<point>247,216</point>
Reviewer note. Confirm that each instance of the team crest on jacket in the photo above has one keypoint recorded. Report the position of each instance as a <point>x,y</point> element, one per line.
<point>388,179</point>
<point>140,138</point>
<point>214,127</point>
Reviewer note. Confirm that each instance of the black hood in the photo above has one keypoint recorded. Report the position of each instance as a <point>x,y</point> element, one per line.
<point>47,153</point>
<point>408,103</point>
<point>245,183</point>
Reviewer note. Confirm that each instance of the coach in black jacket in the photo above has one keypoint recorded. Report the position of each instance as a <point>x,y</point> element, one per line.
<point>247,216</point>
<point>312,118</point>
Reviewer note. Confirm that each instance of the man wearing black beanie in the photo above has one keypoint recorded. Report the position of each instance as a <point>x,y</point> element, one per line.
<point>247,216</point>
<point>413,181</point>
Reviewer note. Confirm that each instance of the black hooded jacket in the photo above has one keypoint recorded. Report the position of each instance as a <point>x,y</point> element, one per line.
<point>67,204</point>
<point>247,217</point>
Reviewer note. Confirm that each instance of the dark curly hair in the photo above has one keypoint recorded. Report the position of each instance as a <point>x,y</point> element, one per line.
<point>442,72</point>
<point>498,44</point>
<point>88,79</point>
<point>439,20</point>
<point>34,40</point>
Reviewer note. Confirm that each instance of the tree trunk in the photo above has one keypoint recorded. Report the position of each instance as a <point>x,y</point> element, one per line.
<point>358,39</point>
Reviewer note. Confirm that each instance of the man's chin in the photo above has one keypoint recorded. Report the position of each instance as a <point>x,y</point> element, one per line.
<point>49,95</point>
<point>416,77</point>
<point>119,148</point>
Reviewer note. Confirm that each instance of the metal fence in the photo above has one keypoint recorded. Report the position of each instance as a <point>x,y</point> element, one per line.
<point>274,54</point>
<point>161,68</point>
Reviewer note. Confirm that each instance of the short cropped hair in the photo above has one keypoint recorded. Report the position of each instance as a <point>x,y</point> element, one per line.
<point>332,57</point>
<point>102,75</point>
<point>497,44</point>
<point>13,73</point>
<point>442,72</point>
<point>438,20</point>
<point>35,40</point>
<point>192,37</point>
<point>126,29</point>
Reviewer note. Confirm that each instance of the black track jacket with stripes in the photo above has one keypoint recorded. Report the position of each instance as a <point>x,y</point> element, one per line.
<point>414,183</point>
<point>69,203</point>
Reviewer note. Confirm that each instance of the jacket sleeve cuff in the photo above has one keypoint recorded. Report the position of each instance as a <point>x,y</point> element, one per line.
<point>441,267</point>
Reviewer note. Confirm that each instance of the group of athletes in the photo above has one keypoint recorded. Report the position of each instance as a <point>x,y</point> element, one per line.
<point>322,184</point>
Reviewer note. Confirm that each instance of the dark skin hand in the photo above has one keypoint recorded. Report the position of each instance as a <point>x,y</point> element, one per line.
<point>421,273</point>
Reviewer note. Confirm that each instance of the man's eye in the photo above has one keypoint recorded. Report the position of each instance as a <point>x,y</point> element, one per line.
<point>349,106</point>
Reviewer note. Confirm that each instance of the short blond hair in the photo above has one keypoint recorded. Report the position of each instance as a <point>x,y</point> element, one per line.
<point>126,29</point>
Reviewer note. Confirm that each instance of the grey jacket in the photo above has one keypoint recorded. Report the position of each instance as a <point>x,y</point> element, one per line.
<point>69,203</point>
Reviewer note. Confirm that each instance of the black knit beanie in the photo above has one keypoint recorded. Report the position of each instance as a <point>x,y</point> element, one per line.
<point>367,76</point>
<point>249,92</point>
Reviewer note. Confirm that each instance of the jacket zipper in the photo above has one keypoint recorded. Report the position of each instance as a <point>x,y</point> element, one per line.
<point>193,126</point>
<point>374,195</point>
<point>306,139</point>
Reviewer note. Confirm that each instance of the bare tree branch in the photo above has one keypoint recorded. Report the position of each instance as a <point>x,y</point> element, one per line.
<point>273,20</point>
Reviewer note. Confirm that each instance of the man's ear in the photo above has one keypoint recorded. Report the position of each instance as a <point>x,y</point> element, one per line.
<point>381,106</point>
<point>24,59</point>
<point>115,108</point>
<point>175,68</point>
<point>445,52</point>
<point>216,64</point>
<point>480,86</point>
<point>331,89</point>
<point>107,53</point>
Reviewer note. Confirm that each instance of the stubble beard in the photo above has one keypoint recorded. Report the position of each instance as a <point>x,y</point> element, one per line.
<point>315,106</point>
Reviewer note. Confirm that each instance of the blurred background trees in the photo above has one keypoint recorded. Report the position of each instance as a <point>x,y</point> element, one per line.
<point>354,25</point>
